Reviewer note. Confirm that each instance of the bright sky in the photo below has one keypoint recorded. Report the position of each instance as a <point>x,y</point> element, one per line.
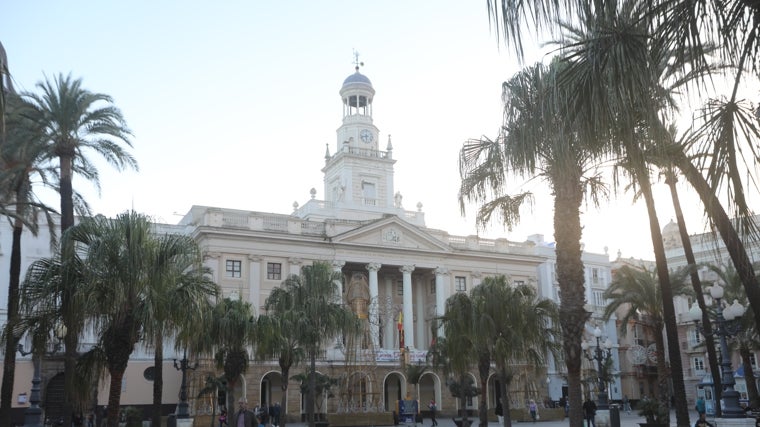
<point>231,103</point>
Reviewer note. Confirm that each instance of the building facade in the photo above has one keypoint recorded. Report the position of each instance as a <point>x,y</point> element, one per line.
<point>397,274</point>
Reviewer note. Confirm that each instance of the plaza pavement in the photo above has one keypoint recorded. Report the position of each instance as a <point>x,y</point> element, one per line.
<point>626,420</point>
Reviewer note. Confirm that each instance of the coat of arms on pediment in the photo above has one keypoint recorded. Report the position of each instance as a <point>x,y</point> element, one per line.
<point>391,235</point>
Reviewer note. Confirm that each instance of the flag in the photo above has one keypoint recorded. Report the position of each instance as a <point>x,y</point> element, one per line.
<point>400,327</point>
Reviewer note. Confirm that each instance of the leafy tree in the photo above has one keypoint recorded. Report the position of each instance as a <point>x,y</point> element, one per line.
<point>539,138</point>
<point>22,160</point>
<point>519,328</point>
<point>637,295</point>
<point>76,121</point>
<point>278,337</point>
<point>309,296</point>
<point>230,330</point>
<point>178,283</point>
<point>212,386</point>
<point>117,263</point>
<point>456,352</point>
<point>320,383</point>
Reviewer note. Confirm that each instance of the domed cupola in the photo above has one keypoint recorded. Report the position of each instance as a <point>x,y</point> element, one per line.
<point>671,236</point>
<point>357,93</point>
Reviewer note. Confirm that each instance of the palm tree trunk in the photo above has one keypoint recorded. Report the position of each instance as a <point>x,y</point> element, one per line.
<point>311,392</point>
<point>484,367</point>
<point>114,398</point>
<point>11,341</point>
<point>712,356</point>
<point>668,309</point>
<point>283,399</point>
<point>158,380</point>
<point>662,368</point>
<point>731,239</point>
<point>463,402</point>
<point>505,401</point>
<point>567,232</point>
<point>72,339</point>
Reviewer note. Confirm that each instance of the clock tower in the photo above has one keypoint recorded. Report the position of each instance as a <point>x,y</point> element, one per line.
<point>359,176</point>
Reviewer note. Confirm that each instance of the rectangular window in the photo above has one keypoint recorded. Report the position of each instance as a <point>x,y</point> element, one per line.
<point>460,284</point>
<point>599,299</point>
<point>519,282</point>
<point>234,268</point>
<point>753,360</point>
<point>274,271</point>
<point>695,338</point>
<point>400,288</point>
<point>432,286</point>
<point>594,275</point>
<point>699,364</point>
<point>369,193</point>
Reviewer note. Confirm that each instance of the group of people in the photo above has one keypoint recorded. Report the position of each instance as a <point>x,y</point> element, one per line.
<point>261,416</point>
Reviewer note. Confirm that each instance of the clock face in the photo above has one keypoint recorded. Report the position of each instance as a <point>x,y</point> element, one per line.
<point>366,136</point>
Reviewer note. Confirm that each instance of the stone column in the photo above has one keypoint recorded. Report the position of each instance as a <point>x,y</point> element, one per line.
<point>254,283</point>
<point>440,294</point>
<point>390,321</point>
<point>373,267</point>
<point>407,310</point>
<point>337,266</point>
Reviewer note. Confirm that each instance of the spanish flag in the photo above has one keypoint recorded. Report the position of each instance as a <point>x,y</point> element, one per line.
<point>400,326</point>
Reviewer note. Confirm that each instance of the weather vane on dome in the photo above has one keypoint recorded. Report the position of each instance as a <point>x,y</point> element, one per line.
<point>357,64</point>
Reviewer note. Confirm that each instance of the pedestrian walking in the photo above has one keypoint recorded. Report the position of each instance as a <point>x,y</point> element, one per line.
<point>589,412</point>
<point>433,408</point>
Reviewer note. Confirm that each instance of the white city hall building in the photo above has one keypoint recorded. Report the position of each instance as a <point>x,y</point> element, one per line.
<point>394,267</point>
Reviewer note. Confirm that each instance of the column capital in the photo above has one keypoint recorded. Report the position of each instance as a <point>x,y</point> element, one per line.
<point>373,266</point>
<point>406,269</point>
<point>211,255</point>
<point>441,271</point>
<point>476,274</point>
<point>295,261</point>
<point>254,258</point>
<point>338,264</point>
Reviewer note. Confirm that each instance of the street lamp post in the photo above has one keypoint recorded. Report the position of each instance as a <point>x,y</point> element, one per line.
<point>726,325</point>
<point>601,353</point>
<point>183,365</point>
<point>33,414</point>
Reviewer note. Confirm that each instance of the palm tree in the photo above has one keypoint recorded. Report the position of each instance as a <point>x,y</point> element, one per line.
<point>457,351</point>
<point>178,283</point>
<point>22,158</point>
<point>124,260</point>
<point>637,295</point>
<point>520,328</point>
<point>319,318</point>
<point>231,330</point>
<point>278,337</point>
<point>212,387</point>
<point>671,179</point>
<point>76,121</point>
<point>540,139</point>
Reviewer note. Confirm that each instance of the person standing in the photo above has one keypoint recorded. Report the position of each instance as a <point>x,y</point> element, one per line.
<point>223,418</point>
<point>700,407</point>
<point>589,412</point>
<point>499,411</point>
<point>533,408</point>
<point>433,407</point>
<point>276,414</point>
<point>626,405</point>
<point>244,417</point>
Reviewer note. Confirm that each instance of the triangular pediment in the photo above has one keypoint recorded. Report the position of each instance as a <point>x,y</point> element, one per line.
<point>392,232</point>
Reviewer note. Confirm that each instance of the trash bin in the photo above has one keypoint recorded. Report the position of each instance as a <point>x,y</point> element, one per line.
<point>171,421</point>
<point>614,415</point>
